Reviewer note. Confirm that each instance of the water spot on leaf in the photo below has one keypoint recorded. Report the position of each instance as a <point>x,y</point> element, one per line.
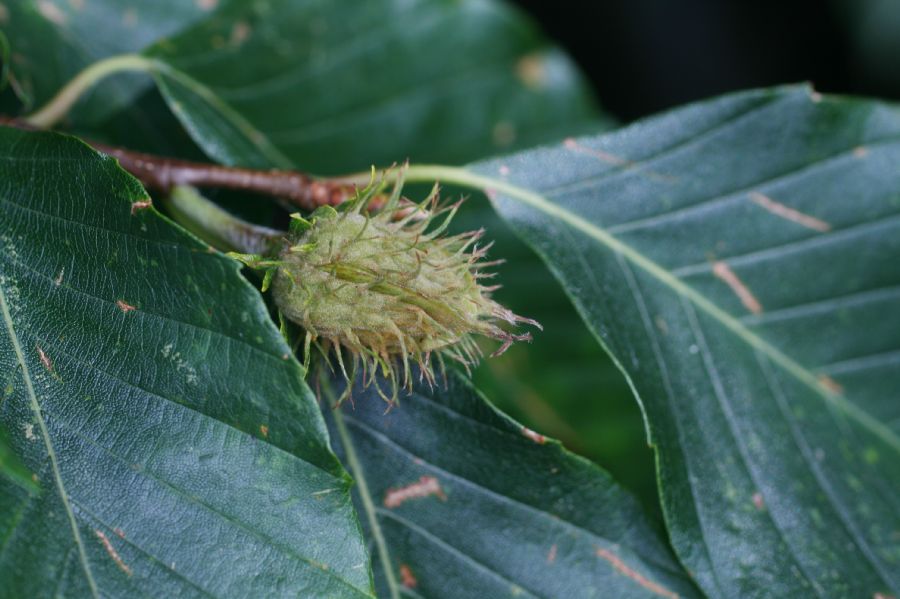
<point>129,18</point>
<point>51,12</point>
<point>240,33</point>
<point>531,70</point>
<point>181,365</point>
<point>870,455</point>
<point>503,134</point>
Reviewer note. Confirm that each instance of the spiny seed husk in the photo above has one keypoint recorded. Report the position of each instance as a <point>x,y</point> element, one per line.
<point>390,288</point>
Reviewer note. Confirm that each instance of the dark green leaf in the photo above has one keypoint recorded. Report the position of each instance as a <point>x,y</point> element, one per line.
<point>739,259</point>
<point>327,86</point>
<point>461,501</point>
<point>178,449</point>
<point>375,82</point>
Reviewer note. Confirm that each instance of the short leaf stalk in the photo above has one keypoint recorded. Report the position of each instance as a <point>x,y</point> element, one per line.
<point>381,291</point>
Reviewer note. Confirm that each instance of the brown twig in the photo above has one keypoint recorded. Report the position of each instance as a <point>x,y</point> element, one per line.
<point>163,174</point>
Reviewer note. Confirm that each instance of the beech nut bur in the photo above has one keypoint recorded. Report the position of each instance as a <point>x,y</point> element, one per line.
<point>386,289</point>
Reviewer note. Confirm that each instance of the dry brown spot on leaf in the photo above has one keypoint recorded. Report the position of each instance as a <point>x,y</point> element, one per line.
<point>45,360</point>
<point>125,306</point>
<point>724,272</point>
<point>634,575</point>
<point>112,552</point>
<point>831,384</point>
<point>536,437</point>
<point>758,501</point>
<point>425,487</point>
<point>551,555</point>
<point>140,205</point>
<point>787,213</point>
<point>574,146</point>
<point>407,578</point>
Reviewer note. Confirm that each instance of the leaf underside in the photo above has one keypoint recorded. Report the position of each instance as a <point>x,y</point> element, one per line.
<point>738,258</point>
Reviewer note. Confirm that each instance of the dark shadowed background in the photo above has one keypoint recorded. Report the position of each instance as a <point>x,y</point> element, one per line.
<point>647,55</point>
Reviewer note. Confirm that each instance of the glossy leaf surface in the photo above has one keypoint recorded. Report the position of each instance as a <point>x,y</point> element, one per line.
<point>165,470</point>
<point>462,501</point>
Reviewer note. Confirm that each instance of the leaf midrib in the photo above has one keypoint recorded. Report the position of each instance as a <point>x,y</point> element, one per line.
<point>48,444</point>
<point>365,496</point>
<point>676,420</point>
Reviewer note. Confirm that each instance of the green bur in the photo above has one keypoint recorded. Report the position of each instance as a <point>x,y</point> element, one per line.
<point>389,287</point>
<point>385,287</point>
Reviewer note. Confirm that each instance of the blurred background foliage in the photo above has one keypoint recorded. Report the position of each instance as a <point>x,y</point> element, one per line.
<point>640,57</point>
